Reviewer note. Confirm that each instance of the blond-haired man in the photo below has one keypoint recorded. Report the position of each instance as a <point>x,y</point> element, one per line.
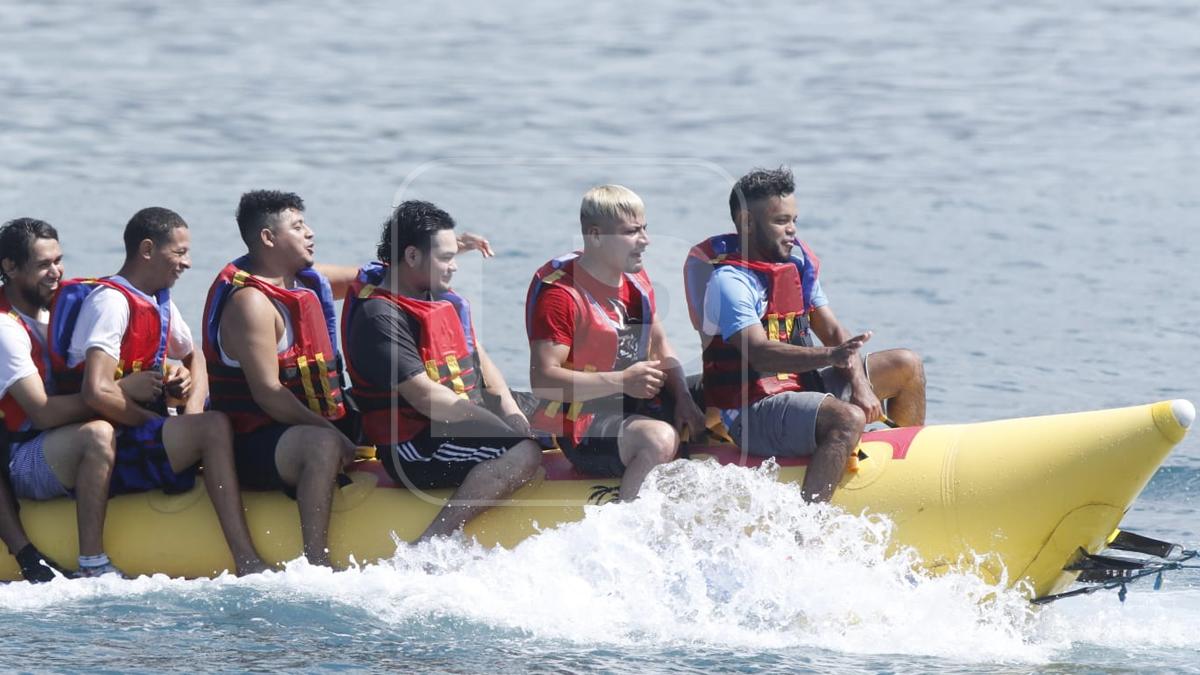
<point>613,393</point>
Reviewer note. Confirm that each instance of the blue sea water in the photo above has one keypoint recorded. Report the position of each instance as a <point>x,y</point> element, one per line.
<point>1008,188</point>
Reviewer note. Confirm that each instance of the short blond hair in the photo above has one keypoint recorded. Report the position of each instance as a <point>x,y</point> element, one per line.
<point>604,205</point>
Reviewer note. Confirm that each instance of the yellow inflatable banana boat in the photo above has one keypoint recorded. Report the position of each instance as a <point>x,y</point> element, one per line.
<point>1025,494</point>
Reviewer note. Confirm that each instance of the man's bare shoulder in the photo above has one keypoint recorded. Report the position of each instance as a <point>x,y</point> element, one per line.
<point>251,305</point>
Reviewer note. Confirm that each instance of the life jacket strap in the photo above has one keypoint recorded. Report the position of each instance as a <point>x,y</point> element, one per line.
<point>456,382</point>
<point>577,407</point>
<point>323,373</point>
<point>310,393</point>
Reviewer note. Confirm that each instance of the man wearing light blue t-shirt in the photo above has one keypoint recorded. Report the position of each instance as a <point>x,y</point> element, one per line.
<point>779,393</point>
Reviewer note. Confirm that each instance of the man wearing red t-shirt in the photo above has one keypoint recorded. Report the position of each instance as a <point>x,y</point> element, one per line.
<point>613,393</point>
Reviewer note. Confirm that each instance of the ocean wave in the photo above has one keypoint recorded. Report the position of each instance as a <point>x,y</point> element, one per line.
<point>709,558</point>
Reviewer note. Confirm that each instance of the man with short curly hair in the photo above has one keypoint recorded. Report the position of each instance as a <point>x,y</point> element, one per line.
<point>107,332</point>
<point>755,296</point>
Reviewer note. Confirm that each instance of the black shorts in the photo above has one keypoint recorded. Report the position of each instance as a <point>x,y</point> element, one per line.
<point>254,457</point>
<point>597,453</point>
<point>443,456</point>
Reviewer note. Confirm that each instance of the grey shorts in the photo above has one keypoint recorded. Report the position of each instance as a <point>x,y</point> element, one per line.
<point>785,425</point>
<point>32,477</point>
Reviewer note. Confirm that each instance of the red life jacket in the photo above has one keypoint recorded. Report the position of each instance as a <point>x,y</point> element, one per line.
<point>310,368</point>
<point>143,347</point>
<point>729,380</point>
<point>594,347</point>
<point>15,418</point>
<point>446,345</point>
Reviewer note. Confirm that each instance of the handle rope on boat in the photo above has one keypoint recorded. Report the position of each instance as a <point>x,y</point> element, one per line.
<point>1107,573</point>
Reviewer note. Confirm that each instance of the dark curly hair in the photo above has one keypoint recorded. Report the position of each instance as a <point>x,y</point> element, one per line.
<point>413,223</point>
<point>154,223</point>
<point>257,207</point>
<point>17,237</point>
<point>760,184</point>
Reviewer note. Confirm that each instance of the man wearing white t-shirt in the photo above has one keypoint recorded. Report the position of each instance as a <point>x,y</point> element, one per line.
<point>51,449</point>
<point>153,450</point>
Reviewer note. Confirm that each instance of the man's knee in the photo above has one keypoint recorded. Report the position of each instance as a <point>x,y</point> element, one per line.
<point>656,440</point>
<point>216,427</point>
<point>97,441</point>
<point>324,452</point>
<point>911,364</point>
<point>840,420</point>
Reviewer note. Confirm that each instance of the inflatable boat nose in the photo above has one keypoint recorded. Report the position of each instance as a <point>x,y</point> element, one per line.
<point>1173,418</point>
<point>1185,412</point>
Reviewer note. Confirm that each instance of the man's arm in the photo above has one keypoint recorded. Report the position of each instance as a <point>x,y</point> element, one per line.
<point>831,332</point>
<point>828,328</point>
<point>551,380</point>
<point>437,402</point>
<point>495,385</point>
<point>198,393</point>
<point>493,379</point>
<point>248,330</point>
<point>104,395</point>
<point>48,412</point>
<point>773,356</point>
<point>733,305</point>
<point>662,351</point>
<point>687,414</point>
<point>553,330</point>
<point>340,277</point>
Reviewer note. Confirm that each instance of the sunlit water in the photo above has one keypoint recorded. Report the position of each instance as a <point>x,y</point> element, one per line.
<point>1010,189</point>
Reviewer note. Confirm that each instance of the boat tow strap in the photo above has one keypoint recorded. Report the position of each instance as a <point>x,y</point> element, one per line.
<point>1108,572</point>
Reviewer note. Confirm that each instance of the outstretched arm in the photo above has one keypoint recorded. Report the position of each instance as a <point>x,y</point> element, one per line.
<point>340,277</point>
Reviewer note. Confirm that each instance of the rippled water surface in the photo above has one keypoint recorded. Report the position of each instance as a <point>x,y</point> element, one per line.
<point>1009,188</point>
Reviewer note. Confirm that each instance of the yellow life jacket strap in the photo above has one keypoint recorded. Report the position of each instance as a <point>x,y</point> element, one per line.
<point>577,407</point>
<point>456,382</point>
<point>310,393</point>
<point>323,374</point>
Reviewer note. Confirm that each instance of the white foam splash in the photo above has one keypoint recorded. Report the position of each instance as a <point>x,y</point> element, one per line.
<point>715,556</point>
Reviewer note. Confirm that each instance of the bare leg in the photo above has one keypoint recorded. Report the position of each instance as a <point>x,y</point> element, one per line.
<point>491,480</point>
<point>839,426</point>
<point>11,530</point>
<point>82,457</point>
<point>898,377</point>
<point>208,437</point>
<point>644,444</point>
<point>309,458</point>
